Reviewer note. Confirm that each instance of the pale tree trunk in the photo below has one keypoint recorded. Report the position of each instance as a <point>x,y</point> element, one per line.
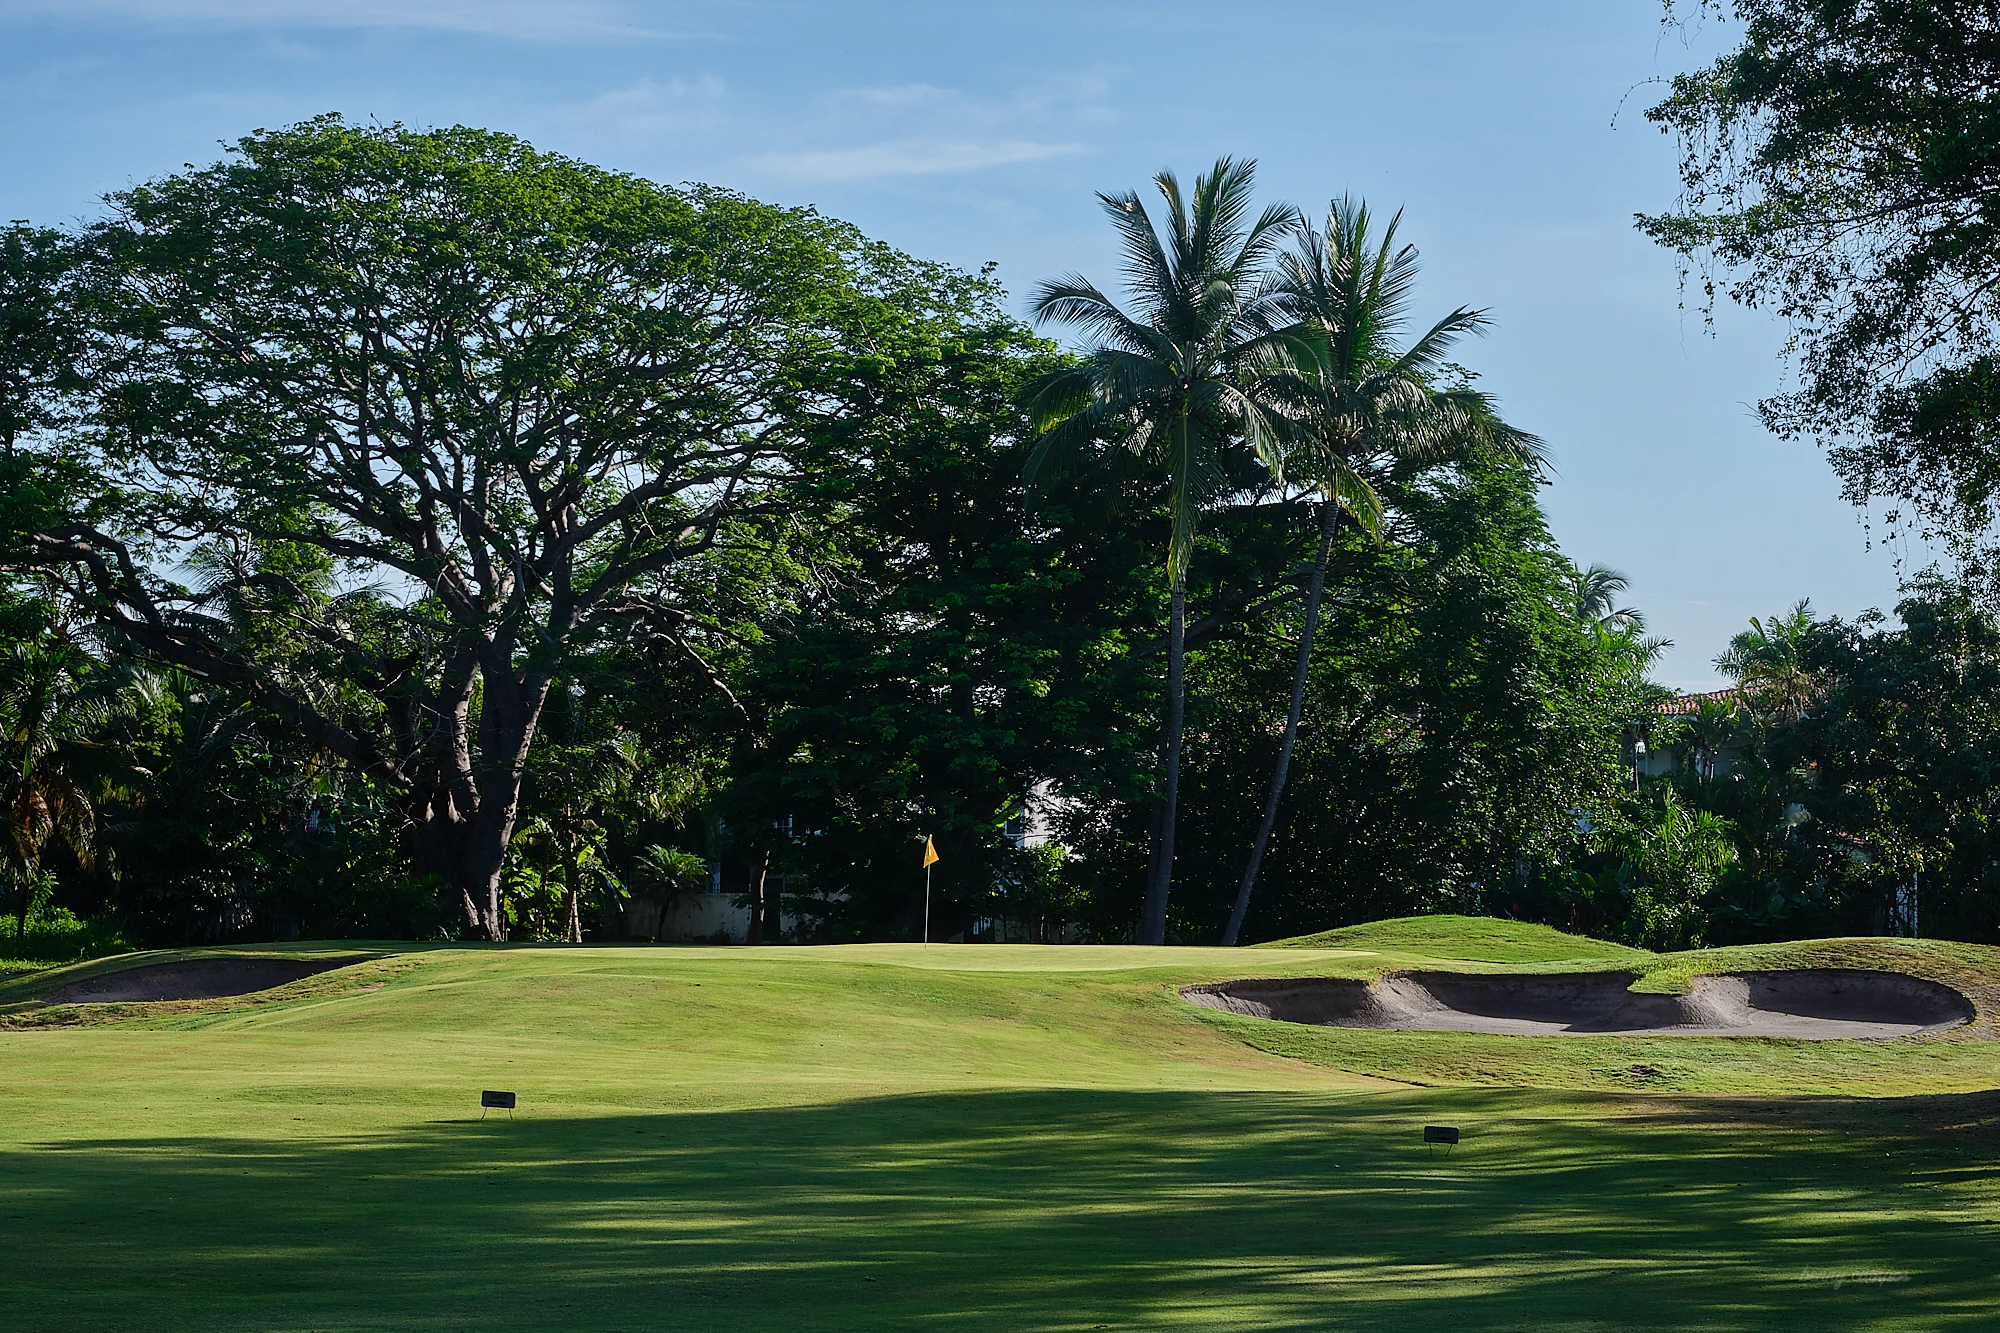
<point>756,932</point>
<point>1328,522</point>
<point>574,932</point>
<point>1153,928</point>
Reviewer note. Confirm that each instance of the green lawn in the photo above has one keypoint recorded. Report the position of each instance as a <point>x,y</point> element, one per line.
<point>970,1137</point>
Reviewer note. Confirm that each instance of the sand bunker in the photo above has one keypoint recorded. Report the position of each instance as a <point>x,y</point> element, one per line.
<point>1822,1004</point>
<point>196,979</point>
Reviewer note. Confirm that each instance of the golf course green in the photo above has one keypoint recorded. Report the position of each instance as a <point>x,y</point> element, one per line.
<point>977,1137</point>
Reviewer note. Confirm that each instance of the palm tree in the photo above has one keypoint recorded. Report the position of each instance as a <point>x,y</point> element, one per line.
<point>1767,661</point>
<point>1194,371</point>
<point>1680,859</point>
<point>1594,599</point>
<point>47,716</point>
<point>1710,730</point>
<point>1366,406</point>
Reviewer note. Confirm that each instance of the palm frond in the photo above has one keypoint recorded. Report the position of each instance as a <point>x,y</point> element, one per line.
<point>1346,487</point>
<point>1266,432</point>
<point>1427,353</point>
<point>1059,395</point>
<point>1149,274</point>
<point>1059,451</point>
<point>1073,300</point>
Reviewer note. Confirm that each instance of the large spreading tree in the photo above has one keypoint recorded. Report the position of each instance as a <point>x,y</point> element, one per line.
<point>488,400</point>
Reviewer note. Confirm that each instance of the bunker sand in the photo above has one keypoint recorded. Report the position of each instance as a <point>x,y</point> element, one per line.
<point>1821,1004</point>
<point>194,979</point>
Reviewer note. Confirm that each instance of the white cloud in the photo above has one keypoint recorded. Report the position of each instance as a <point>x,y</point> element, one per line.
<point>918,129</point>
<point>541,20</point>
<point>648,106</point>
<point>702,126</point>
<point>637,117</point>
<point>909,157</point>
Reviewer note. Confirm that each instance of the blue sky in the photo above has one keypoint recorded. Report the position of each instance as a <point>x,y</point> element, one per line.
<point>974,133</point>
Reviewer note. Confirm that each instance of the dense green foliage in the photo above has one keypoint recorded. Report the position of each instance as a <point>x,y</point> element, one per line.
<point>415,535</point>
<point>444,414</point>
<point>955,648</point>
<point>1846,786</point>
<point>1457,720</point>
<point>1839,167</point>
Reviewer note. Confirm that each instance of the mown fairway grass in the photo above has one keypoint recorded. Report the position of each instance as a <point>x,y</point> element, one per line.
<point>968,1137</point>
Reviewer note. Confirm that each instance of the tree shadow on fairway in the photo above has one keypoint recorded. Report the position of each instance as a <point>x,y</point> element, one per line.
<point>1029,1210</point>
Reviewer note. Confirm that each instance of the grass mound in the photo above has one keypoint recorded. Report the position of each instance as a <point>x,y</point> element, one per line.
<point>962,1137</point>
<point>1471,939</point>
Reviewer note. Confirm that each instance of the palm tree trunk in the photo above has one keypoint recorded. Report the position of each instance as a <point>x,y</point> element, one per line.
<point>755,934</point>
<point>1153,929</point>
<point>773,908</point>
<point>573,931</point>
<point>1329,521</point>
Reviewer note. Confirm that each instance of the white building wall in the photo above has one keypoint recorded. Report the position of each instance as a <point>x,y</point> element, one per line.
<point>695,918</point>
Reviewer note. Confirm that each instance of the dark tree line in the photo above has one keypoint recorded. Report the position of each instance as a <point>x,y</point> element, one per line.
<point>413,534</point>
<point>1847,785</point>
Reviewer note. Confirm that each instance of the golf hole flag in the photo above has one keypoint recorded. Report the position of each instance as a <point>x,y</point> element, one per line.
<point>931,858</point>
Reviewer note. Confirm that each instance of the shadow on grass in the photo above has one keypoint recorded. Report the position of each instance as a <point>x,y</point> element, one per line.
<point>1042,1210</point>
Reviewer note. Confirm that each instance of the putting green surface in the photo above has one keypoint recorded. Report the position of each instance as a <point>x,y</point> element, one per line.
<point>971,1137</point>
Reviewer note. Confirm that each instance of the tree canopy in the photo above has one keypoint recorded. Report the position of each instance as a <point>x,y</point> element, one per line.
<point>410,533</point>
<point>444,411</point>
<point>1838,166</point>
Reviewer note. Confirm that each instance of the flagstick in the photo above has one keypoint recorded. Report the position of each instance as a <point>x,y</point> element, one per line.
<point>927,907</point>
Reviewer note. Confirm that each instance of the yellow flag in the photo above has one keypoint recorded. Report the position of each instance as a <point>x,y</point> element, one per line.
<point>930,853</point>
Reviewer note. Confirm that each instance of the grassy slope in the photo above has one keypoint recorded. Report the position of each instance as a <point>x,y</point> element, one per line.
<point>886,1137</point>
<point>1471,939</point>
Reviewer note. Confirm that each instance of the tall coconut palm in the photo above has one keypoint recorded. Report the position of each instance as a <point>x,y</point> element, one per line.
<point>1365,406</point>
<point>1192,372</point>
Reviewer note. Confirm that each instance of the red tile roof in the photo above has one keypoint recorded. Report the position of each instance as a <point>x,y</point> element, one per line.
<point>1683,704</point>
